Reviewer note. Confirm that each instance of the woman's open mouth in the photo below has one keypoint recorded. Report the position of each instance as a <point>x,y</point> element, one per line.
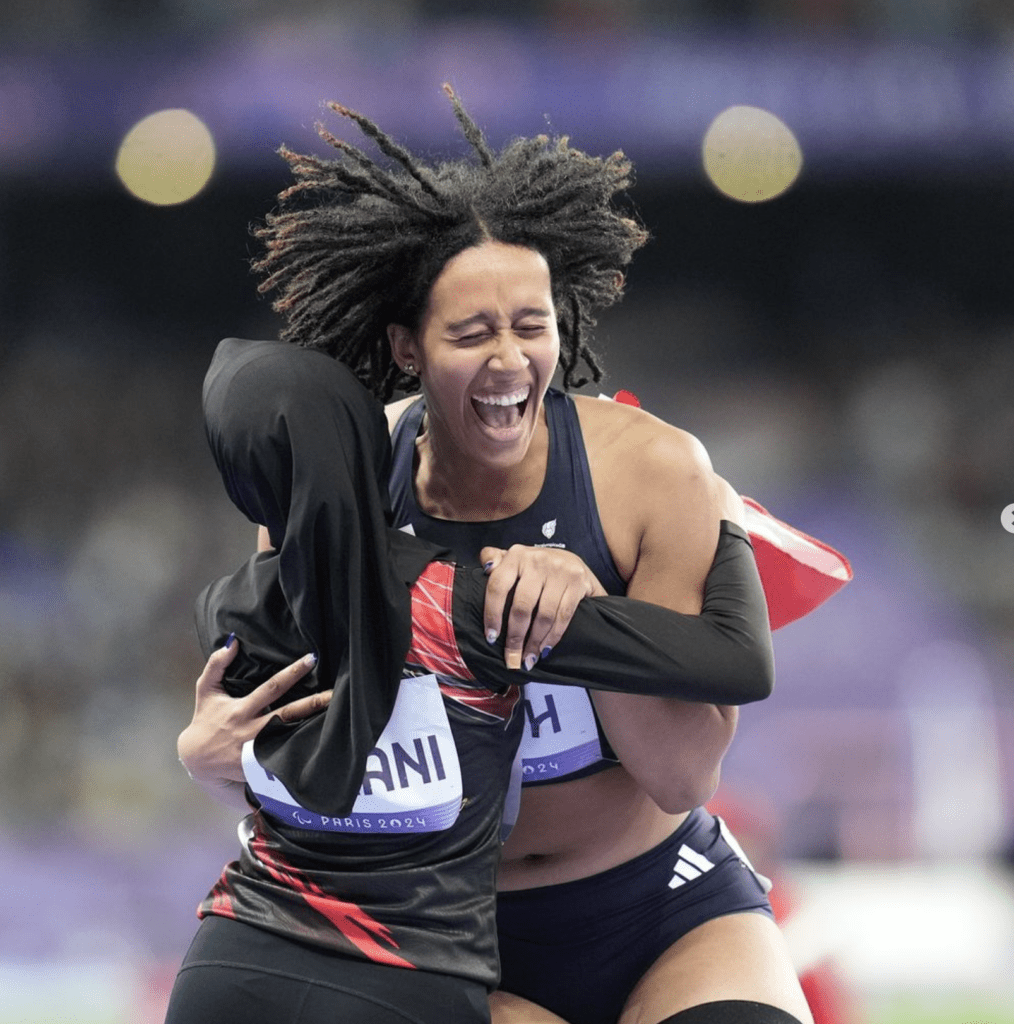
<point>502,412</point>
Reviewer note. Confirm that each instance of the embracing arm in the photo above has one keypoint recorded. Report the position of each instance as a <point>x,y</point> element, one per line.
<point>674,748</point>
<point>722,655</point>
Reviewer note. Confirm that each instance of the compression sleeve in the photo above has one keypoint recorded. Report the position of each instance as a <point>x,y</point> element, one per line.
<point>721,656</point>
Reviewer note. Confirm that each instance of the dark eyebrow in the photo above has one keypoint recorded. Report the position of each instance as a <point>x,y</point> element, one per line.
<point>481,318</point>
<point>476,318</point>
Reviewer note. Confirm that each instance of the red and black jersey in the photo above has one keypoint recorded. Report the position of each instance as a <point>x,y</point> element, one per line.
<point>387,891</point>
<point>407,877</point>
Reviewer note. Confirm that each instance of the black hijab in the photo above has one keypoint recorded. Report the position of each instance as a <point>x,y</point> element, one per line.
<point>303,449</point>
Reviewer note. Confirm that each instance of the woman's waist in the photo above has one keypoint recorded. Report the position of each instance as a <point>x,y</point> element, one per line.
<point>575,829</point>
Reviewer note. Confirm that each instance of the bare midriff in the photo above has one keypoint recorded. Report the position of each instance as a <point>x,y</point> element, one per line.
<point>571,830</point>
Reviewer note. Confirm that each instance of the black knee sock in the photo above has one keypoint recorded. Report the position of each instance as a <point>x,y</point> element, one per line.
<point>732,1011</point>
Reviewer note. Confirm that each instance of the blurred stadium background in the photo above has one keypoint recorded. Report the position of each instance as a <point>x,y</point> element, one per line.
<point>845,351</point>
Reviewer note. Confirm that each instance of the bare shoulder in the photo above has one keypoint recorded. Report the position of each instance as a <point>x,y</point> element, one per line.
<point>394,410</point>
<point>622,439</point>
<point>655,490</point>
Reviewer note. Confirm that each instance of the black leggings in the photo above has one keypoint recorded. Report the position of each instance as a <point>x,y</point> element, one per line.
<point>237,974</point>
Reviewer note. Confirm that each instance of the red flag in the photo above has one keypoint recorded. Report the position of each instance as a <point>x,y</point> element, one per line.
<point>798,571</point>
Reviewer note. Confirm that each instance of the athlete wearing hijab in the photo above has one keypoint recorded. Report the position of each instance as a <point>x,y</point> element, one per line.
<point>374,900</point>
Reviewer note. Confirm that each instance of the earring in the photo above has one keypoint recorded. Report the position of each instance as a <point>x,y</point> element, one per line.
<point>409,368</point>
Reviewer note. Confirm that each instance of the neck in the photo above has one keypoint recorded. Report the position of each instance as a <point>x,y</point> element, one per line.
<point>452,484</point>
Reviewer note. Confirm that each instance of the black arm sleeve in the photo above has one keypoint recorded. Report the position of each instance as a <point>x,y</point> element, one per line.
<point>722,656</point>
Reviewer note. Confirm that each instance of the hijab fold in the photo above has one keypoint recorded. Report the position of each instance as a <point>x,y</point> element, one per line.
<point>303,449</point>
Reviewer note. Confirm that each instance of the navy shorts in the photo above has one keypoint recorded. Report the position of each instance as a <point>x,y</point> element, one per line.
<point>580,947</point>
<point>235,973</point>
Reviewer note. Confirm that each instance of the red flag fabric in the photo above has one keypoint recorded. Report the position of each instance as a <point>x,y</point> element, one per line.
<point>799,572</point>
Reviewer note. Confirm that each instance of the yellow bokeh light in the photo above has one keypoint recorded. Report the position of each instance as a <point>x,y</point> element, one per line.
<point>751,155</point>
<point>167,157</point>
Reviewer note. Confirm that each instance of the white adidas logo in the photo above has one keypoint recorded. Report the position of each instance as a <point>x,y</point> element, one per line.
<point>691,865</point>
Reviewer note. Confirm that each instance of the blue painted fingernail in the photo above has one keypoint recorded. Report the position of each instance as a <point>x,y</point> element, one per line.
<point>228,643</point>
<point>486,566</point>
<point>530,661</point>
<point>545,652</point>
<point>310,659</point>
<point>491,636</point>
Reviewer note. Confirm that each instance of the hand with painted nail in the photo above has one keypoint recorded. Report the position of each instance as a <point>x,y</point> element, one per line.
<point>210,747</point>
<point>548,584</point>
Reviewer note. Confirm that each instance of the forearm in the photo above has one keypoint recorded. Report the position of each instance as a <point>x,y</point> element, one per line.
<point>721,656</point>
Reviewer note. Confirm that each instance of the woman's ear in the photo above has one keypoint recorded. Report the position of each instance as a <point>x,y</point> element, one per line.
<point>403,347</point>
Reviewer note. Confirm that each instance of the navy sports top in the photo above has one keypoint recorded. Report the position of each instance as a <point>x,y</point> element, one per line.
<point>562,739</point>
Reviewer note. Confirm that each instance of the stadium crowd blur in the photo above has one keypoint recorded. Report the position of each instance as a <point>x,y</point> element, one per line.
<point>974,19</point>
<point>846,353</point>
<point>112,517</point>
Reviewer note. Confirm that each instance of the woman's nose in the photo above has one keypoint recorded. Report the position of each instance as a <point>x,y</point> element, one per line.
<point>508,353</point>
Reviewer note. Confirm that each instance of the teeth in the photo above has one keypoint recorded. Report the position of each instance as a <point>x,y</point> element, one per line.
<point>514,398</point>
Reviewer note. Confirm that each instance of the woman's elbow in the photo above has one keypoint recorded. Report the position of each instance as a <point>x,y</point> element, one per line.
<point>756,679</point>
<point>764,684</point>
<point>684,791</point>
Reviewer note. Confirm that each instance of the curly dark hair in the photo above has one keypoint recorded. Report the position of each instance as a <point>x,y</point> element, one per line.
<point>354,246</point>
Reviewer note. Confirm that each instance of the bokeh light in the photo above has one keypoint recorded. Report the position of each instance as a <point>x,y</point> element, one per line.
<point>167,157</point>
<point>751,155</point>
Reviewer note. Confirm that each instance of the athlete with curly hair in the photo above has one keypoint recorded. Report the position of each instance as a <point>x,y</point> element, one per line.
<point>474,281</point>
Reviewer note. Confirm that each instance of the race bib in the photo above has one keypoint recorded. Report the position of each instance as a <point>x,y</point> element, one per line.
<point>560,736</point>
<point>412,781</point>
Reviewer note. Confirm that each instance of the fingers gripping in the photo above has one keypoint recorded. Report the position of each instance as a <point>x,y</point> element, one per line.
<point>526,601</point>
<point>557,625</point>
<point>547,585</point>
<point>514,570</point>
<point>210,679</point>
<point>210,746</point>
<point>502,571</point>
